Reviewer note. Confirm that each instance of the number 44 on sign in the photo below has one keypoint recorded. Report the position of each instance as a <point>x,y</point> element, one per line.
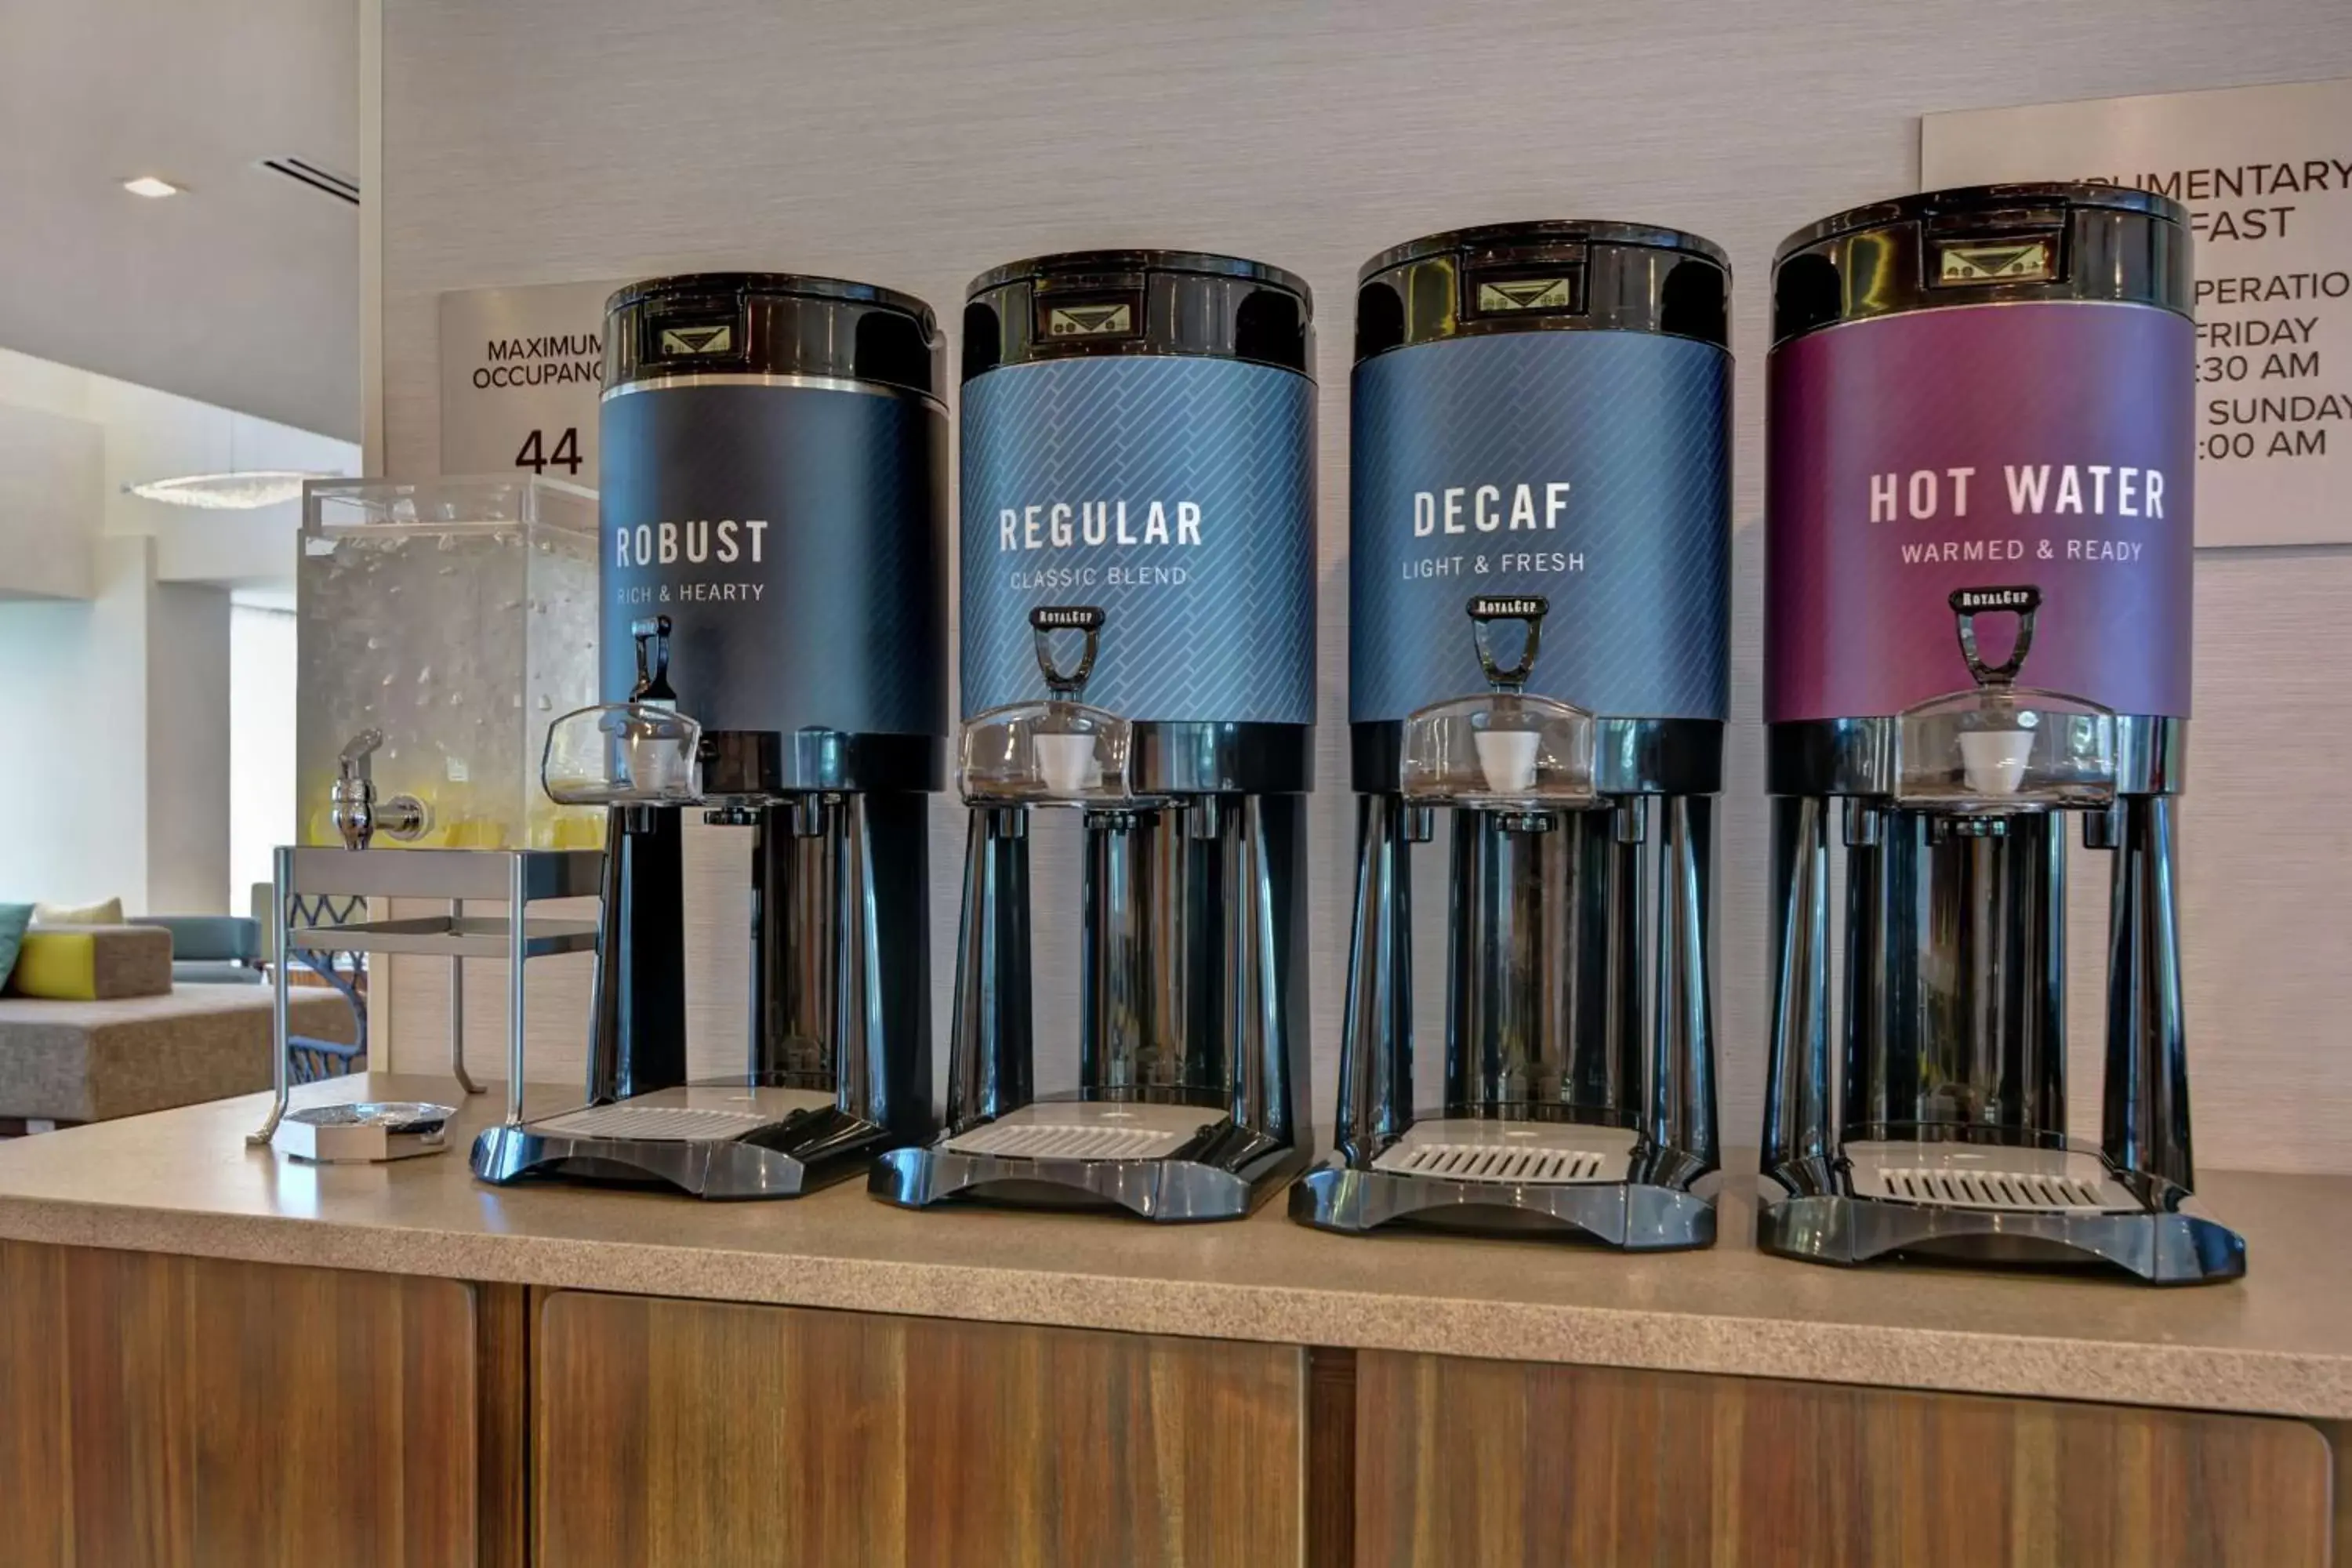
<point>538,457</point>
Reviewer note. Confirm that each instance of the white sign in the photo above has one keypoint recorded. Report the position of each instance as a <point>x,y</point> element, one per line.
<point>521,370</point>
<point>2266,174</point>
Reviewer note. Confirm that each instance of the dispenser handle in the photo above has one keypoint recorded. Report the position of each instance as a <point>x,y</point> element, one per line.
<point>1968,603</point>
<point>1526,609</point>
<point>652,635</point>
<point>1047,619</point>
<point>352,766</point>
<point>355,812</point>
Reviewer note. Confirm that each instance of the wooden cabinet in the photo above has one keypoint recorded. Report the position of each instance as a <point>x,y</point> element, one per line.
<point>1498,1463</point>
<point>164,1411</point>
<point>674,1431</point>
<point>183,1412</point>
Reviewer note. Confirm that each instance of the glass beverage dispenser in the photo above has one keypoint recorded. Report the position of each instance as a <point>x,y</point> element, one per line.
<point>443,626</point>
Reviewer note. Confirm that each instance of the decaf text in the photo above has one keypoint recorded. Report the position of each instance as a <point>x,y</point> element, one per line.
<point>1461,508</point>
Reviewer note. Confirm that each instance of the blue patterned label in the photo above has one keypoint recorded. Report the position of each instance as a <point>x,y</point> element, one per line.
<point>1175,494</point>
<point>1592,468</point>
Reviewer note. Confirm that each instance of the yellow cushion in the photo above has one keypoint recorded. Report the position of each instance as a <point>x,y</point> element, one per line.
<point>109,913</point>
<point>93,963</point>
<point>61,966</point>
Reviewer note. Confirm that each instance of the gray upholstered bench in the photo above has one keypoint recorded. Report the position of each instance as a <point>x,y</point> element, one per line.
<point>93,1061</point>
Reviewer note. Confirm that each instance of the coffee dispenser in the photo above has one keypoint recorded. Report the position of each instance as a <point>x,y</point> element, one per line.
<point>1977,615</point>
<point>775,525</point>
<point>1138,655</point>
<point>1541,528</point>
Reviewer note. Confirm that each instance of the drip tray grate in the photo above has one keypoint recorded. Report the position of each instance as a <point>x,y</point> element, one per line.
<point>654,1123</point>
<point>1044,1140</point>
<point>1990,1190</point>
<point>1086,1130</point>
<point>1490,1162</point>
<point>2022,1181</point>
<point>1509,1152</point>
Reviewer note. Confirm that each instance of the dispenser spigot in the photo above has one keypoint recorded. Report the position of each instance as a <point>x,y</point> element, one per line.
<point>652,635</point>
<point>356,815</point>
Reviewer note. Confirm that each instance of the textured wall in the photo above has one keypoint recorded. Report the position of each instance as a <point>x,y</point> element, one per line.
<point>914,145</point>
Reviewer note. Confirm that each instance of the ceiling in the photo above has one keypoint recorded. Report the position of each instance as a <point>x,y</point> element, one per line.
<point>243,291</point>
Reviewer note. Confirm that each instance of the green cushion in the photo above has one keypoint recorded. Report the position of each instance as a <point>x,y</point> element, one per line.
<point>14,918</point>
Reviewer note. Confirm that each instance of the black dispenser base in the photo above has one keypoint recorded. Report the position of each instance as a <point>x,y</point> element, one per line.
<point>1220,1171</point>
<point>1849,1214</point>
<point>1499,1178</point>
<point>787,1149</point>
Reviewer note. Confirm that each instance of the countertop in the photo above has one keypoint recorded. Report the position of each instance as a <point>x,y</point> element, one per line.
<point>2279,1341</point>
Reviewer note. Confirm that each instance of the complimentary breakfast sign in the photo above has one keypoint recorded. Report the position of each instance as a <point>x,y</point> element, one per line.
<point>2266,174</point>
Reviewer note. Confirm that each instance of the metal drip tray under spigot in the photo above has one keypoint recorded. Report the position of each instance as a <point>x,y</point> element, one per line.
<point>1520,1153</point>
<point>2014,1181</point>
<point>1087,1129</point>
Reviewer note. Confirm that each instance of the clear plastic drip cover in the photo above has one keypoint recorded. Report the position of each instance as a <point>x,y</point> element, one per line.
<point>1054,752</point>
<point>623,754</point>
<point>1996,749</point>
<point>1500,749</point>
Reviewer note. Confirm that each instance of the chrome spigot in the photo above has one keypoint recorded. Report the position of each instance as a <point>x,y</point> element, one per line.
<point>356,815</point>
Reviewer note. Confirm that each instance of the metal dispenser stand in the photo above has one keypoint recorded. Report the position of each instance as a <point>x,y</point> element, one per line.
<point>519,876</point>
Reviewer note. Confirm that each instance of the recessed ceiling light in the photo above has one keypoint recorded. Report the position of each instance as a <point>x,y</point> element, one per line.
<point>149,185</point>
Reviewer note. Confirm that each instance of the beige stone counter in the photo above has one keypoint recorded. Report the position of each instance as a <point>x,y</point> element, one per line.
<point>2280,1342</point>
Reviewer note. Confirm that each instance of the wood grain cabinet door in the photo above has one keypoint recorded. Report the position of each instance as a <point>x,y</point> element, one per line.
<point>162,1412</point>
<point>1499,1463</point>
<point>690,1432</point>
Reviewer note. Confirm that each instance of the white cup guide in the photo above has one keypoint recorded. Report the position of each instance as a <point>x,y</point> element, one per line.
<point>1507,758</point>
<point>1068,761</point>
<point>1994,759</point>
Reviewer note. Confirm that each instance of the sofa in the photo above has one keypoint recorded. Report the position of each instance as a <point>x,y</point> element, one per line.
<point>96,1024</point>
<point>211,949</point>
<point>65,1062</point>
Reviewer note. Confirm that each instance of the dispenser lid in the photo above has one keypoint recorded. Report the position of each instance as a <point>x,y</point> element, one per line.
<point>1487,236</point>
<point>1969,201</point>
<point>1548,274</point>
<point>1083,304</point>
<point>1082,263</point>
<point>703,324</point>
<point>1984,244</point>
